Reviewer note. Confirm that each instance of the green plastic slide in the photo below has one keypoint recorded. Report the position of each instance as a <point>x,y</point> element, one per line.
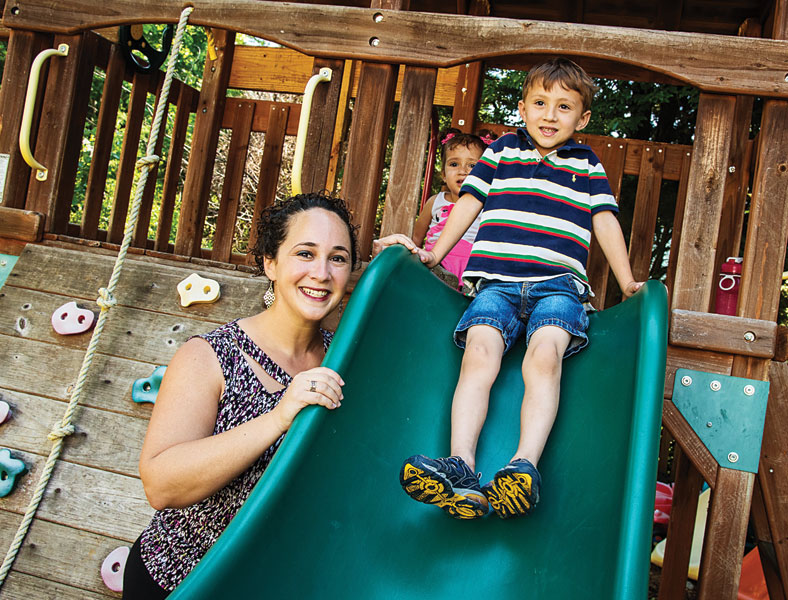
<point>328,519</point>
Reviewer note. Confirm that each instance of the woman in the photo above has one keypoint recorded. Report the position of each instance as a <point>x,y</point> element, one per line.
<point>229,396</point>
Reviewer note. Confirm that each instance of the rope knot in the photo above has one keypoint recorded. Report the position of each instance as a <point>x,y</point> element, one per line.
<point>60,431</point>
<point>105,300</point>
<point>151,159</point>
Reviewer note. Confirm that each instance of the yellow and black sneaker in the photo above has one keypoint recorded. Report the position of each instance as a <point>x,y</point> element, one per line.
<point>514,490</point>
<point>445,482</point>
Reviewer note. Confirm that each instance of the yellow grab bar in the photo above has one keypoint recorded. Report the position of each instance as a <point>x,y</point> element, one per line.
<point>306,107</point>
<point>30,105</point>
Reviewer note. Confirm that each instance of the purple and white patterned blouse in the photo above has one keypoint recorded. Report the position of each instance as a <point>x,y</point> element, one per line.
<point>177,538</point>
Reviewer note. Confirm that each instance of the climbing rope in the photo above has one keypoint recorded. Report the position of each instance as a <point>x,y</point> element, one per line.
<point>106,301</point>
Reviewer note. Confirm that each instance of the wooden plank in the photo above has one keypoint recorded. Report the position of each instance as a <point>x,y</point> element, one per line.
<point>19,586</point>
<point>673,584</point>
<point>203,149</point>
<point>233,181</point>
<point>172,173</point>
<point>341,126</point>
<point>678,219</point>
<point>468,95</point>
<point>128,157</point>
<point>270,164</point>
<point>781,344</point>
<point>102,146</point>
<point>720,63</point>
<point>20,224</point>
<point>726,530</point>
<point>698,360</point>
<point>693,449</point>
<point>407,159</point>
<point>94,444</point>
<point>767,231</point>
<point>695,274</point>
<point>320,133</point>
<point>21,50</point>
<point>367,147</point>
<point>723,333</point>
<point>60,554</point>
<point>287,71</point>
<point>89,499</point>
<point>644,221</point>
<point>52,140</point>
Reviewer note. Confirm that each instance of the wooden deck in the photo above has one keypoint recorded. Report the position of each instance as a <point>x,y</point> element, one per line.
<point>95,501</point>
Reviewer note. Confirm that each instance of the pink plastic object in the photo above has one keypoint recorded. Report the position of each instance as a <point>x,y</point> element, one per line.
<point>112,568</point>
<point>752,585</point>
<point>663,503</point>
<point>69,319</point>
<point>727,296</point>
<point>5,411</point>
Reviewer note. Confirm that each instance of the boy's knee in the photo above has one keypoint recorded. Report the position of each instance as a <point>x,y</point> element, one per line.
<point>544,356</point>
<point>483,353</point>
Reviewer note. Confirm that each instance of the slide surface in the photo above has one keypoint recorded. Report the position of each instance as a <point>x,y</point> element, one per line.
<point>329,520</point>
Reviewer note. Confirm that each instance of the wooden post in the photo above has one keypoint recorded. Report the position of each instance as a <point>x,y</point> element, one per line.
<point>320,134</point>
<point>205,138</point>
<point>23,46</point>
<point>644,221</point>
<point>410,145</point>
<point>469,82</point>
<point>341,125</point>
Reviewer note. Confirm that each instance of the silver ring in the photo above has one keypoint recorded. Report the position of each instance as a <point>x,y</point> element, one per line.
<point>313,387</point>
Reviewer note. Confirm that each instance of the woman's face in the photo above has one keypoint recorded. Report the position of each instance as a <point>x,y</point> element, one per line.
<point>313,264</point>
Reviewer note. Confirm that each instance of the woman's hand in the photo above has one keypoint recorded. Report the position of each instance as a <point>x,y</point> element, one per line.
<point>315,386</point>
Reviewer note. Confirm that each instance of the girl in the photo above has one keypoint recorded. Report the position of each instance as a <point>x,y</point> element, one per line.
<point>460,152</point>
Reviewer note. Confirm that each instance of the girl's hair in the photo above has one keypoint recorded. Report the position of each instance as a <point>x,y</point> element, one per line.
<point>274,224</point>
<point>453,137</point>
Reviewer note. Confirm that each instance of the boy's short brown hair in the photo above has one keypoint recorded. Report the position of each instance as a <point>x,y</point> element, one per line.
<point>564,72</point>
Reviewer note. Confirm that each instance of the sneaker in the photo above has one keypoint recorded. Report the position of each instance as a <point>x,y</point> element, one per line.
<point>514,490</point>
<point>445,482</point>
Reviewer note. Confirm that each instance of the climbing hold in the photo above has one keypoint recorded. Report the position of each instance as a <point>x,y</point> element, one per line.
<point>70,319</point>
<point>5,411</point>
<point>10,469</point>
<point>198,290</point>
<point>113,566</point>
<point>146,389</point>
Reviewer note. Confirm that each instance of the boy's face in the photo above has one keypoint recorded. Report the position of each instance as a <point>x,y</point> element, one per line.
<point>552,116</point>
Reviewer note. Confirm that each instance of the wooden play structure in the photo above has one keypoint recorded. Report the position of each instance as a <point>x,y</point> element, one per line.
<point>732,191</point>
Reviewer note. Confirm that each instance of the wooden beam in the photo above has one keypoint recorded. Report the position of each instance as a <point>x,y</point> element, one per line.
<point>695,267</point>
<point>644,220</point>
<point>205,138</point>
<point>467,96</point>
<point>410,146</point>
<point>723,333</point>
<point>719,63</point>
<point>19,224</point>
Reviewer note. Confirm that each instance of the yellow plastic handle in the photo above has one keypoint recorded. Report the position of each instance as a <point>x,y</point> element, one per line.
<point>30,105</point>
<point>306,107</point>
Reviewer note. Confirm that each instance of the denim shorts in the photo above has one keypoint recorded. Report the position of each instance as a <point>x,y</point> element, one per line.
<point>523,307</point>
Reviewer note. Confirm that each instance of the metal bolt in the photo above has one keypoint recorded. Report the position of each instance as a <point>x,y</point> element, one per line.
<point>749,336</point>
<point>733,457</point>
<point>749,390</point>
<point>715,386</point>
<point>374,42</point>
<point>3,263</point>
<point>771,470</point>
<point>708,423</point>
<point>686,381</point>
<point>731,169</point>
<point>377,17</point>
<point>461,122</point>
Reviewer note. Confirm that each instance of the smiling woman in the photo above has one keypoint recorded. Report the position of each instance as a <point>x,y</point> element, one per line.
<point>228,397</point>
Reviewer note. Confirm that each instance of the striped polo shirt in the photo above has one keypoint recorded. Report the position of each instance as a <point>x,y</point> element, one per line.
<point>536,215</point>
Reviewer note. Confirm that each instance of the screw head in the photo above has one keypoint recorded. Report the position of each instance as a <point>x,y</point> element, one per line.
<point>731,169</point>
<point>709,424</point>
<point>715,386</point>
<point>686,381</point>
<point>733,457</point>
<point>749,336</point>
<point>749,390</point>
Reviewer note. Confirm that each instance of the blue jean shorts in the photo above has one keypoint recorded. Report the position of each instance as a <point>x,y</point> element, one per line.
<point>524,307</point>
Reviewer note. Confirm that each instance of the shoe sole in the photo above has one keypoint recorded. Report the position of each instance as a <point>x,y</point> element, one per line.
<point>428,487</point>
<point>509,494</point>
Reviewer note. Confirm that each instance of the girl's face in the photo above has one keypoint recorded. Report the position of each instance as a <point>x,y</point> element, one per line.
<point>313,264</point>
<point>459,162</point>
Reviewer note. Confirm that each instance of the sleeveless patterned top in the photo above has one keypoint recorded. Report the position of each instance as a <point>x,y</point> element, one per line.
<point>177,538</point>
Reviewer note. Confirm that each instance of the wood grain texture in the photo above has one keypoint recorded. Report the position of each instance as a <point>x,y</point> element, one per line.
<point>698,360</point>
<point>719,63</point>
<point>644,221</point>
<point>724,333</point>
<point>692,447</point>
<point>20,224</point>
<point>26,587</point>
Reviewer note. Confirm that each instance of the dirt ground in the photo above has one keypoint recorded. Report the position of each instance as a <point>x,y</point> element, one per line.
<point>653,585</point>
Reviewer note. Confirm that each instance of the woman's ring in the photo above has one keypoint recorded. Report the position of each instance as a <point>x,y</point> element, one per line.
<point>313,387</point>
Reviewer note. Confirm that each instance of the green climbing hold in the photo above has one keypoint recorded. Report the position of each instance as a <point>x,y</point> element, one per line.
<point>146,389</point>
<point>10,469</point>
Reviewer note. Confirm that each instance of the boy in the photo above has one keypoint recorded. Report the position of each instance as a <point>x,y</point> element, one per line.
<point>540,195</point>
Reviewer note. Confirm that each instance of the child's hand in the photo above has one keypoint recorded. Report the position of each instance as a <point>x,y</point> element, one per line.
<point>428,257</point>
<point>632,287</point>
<point>396,238</point>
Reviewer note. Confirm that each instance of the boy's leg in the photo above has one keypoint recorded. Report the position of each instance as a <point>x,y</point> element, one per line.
<point>481,362</point>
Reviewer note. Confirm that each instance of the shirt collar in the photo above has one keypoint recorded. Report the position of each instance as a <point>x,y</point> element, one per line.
<point>569,145</point>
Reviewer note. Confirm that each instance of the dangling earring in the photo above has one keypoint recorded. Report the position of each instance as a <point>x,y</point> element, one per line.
<point>269,297</point>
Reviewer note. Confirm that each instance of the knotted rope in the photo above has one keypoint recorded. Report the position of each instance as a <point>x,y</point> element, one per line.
<point>106,301</point>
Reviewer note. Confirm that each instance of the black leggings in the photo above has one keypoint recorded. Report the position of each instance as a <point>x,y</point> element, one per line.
<point>137,581</point>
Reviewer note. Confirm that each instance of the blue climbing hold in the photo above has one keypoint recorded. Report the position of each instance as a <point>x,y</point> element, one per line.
<point>10,469</point>
<point>147,388</point>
